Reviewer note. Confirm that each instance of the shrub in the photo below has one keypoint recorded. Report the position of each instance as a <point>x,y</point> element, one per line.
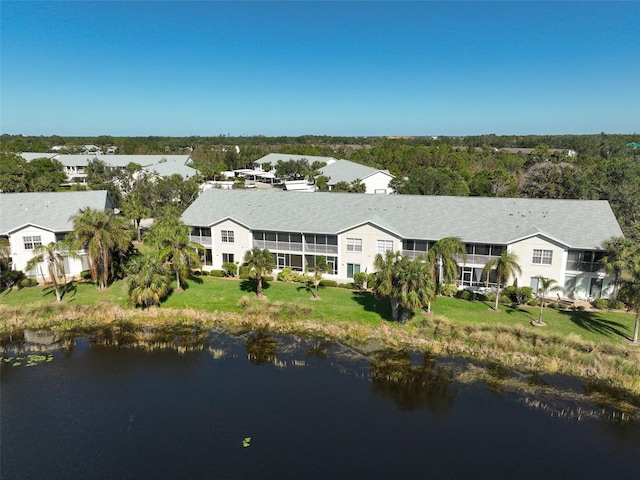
<point>245,276</point>
<point>244,270</point>
<point>601,303</point>
<point>518,295</point>
<point>229,269</point>
<point>360,280</point>
<point>465,295</point>
<point>27,282</point>
<point>217,273</point>
<point>350,286</point>
<point>85,275</point>
<point>267,278</point>
<point>448,290</point>
<point>9,278</point>
<point>328,283</point>
<point>286,275</point>
<point>617,305</point>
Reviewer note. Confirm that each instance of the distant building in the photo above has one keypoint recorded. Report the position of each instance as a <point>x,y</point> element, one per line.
<point>29,220</point>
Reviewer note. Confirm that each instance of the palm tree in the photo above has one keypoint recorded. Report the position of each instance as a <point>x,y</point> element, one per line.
<point>617,250</point>
<point>506,265</point>
<point>442,257</point>
<point>5,253</point>
<point>417,287</point>
<point>630,294</point>
<point>101,235</point>
<point>135,209</point>
<point>321,266</point>
<point>545,285</point>
<point>260,262</point>
<point>149,280</point>
<point>385,284</point>
<point>407,283</point>
<point>170,237</point>
<point>53,255</point>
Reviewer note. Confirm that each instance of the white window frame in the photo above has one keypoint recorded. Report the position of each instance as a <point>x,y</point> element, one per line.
<point>31,242</point>
<point>354,245</point>
<point>227,236</point>
<point>230,258</point>
<point>384,246</point>
<point>542,257</point>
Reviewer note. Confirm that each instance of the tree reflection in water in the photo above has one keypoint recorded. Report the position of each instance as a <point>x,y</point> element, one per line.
<point>413,386</point>
<point>262,348</point>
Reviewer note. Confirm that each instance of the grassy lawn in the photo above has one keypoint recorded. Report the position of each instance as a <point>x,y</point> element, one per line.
<point>336,304</point>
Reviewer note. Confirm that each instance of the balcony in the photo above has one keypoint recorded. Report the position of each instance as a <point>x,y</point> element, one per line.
<point>202,240</point>
<point>278,246</point>
<point>575,266</point>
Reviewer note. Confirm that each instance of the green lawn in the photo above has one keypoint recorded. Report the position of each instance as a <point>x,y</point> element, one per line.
<point>211,294</point>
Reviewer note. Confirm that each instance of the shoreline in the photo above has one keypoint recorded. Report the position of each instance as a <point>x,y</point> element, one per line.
<point>614,367</point>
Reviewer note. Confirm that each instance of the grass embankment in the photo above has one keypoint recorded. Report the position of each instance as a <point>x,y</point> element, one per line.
<point>591,345</point>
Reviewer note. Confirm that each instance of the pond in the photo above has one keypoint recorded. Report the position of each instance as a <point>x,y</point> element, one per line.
<point>208,405</point>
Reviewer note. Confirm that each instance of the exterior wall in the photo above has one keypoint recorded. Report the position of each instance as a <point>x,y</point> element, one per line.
<point>20,256</point>
<point>577,284</point>
<point>242,242</point>
<point>369,234</point>
<point>376,182</point>
<point>524,249</point>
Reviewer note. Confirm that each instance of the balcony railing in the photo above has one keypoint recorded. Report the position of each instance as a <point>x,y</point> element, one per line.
<point>583,266</point>
<point>278,246</point>
<point>202,240</point>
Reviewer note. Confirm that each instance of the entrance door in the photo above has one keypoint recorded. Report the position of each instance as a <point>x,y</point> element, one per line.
<point>595,288</point>
<point>467,276</point>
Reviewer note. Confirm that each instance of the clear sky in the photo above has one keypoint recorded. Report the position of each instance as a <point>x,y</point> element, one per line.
<point>325,68</point>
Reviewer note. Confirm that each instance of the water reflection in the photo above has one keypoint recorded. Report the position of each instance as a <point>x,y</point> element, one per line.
<point>410,386</point>
<point>261,348</point>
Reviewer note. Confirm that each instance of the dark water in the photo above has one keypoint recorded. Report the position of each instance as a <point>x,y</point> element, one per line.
<point>312,410</point>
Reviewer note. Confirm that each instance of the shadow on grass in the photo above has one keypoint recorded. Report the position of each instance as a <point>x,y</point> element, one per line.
<point>370,303</point>
<point>512,310</point>
<point>596,323</point>
<point>251,285</point>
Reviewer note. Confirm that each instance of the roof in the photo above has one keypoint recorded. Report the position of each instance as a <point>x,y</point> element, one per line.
<point>163,165</point>
<point>28,156</point>
<point>273,158</point>
<point>47,210</point>
<point>346,171</point>
<point>579,224</point>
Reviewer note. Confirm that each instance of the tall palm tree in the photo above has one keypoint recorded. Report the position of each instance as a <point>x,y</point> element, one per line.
<point>149,280</point>
<point>443,256</point>
<point>506,265</point>
<point>545,285</point>
<point>260,262</point>
<point>101,235</point>
<point>617,251</point>
<point>53,255</point>
<point>630,294</point>
<point>385,284</point>
<point>170,237</point>
<point>135,209</point>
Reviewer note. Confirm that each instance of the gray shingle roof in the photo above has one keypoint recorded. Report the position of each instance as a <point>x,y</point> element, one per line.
<point>48,210</point>
<point>273,158</point>
<point>346,171</point>
<point>582,224</point>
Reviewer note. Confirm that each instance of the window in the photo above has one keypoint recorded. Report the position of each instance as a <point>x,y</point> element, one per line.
<point>384,246</point>
<point>227,236</point>
<point>354,244</point>
<point>32,242</point>
<point>227,257</point>
<point>542,257</point>
<point>352,269</point>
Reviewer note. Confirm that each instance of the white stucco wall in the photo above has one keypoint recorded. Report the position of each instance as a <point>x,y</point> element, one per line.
<point>241,243</point>
<point>369,234</point>
<point>20,256</point>
<point>378,181</point>
<point>524,249</point>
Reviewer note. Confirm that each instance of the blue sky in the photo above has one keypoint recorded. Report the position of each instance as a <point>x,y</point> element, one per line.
<point>325,68</point>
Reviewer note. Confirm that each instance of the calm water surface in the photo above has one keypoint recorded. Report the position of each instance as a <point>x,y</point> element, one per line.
<point>94,409</point>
